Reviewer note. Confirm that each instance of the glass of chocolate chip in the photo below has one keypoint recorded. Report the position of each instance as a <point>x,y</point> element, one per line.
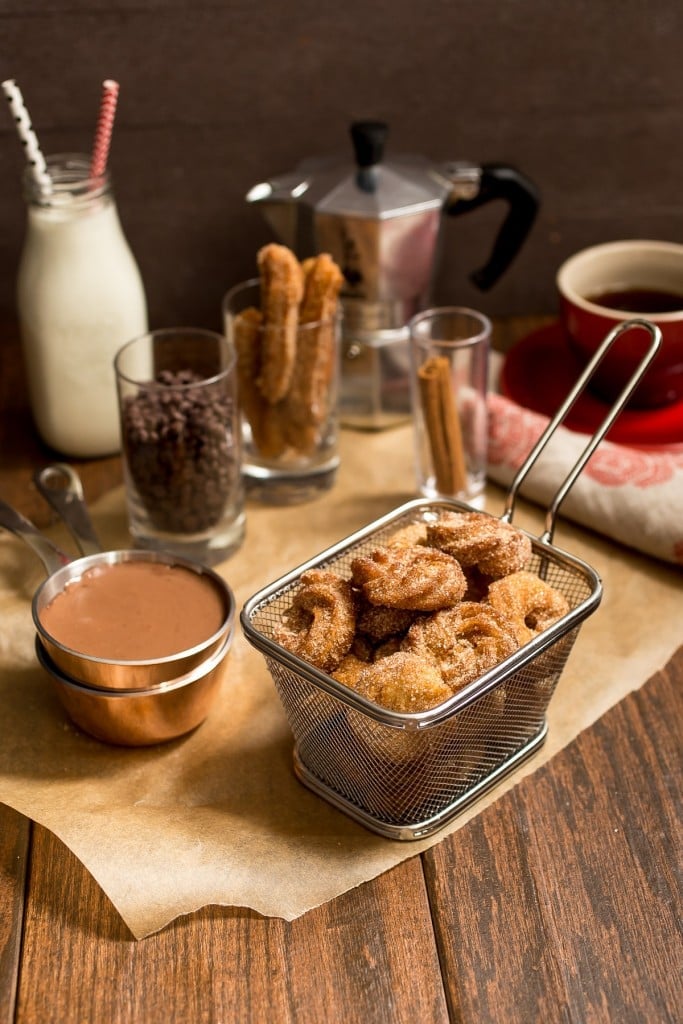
<point>181,442</point>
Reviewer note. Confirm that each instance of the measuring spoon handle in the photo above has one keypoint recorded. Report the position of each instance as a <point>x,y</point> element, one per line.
<point>51,556</point>
<point>61,487</point>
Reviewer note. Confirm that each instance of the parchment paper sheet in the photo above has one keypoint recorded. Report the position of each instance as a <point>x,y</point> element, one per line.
<point>218,817</point>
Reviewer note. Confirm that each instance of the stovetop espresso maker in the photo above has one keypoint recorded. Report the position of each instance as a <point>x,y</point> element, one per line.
<point>381,221</point>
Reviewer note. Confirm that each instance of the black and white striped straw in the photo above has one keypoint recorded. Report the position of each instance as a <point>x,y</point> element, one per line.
<point>27,136</point>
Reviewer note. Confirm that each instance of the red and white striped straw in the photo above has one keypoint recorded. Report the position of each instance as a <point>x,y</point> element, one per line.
<point>34,156</point>
<point>105,126</point>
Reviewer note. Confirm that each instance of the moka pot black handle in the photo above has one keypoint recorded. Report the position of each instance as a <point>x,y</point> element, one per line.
<point>499,181</point>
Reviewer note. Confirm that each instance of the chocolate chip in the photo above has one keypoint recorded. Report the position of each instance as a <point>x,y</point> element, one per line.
<point>180,450</point>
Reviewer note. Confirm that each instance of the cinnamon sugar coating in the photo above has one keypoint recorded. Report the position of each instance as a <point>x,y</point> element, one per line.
<point>464,641</point>
<point>282,288</point>
<point>403,682</point>
<point>407,536</point>
<point>418,578</point>
<point>320,624</point>
<point>378,622</point>
<point>530,602</point>
<point>494,547</point>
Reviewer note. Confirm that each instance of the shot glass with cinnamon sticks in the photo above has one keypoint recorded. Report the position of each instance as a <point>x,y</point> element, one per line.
<point>449,349</point>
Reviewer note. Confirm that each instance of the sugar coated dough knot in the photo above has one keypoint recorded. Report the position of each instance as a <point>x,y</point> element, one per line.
<point>407,536</point>
<point>419,578</point>
<point>496,548</point>
<point>378,622</point>
<point>464,641</point>
<point>530,602</point>
<point>349,669</point>
<point>320,624</point>
<point>403,682</point>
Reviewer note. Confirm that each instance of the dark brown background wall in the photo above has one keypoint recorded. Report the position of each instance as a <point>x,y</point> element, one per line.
<point>586,97</point>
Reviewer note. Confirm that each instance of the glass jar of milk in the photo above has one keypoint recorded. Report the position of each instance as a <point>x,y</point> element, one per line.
<point>80,298</point>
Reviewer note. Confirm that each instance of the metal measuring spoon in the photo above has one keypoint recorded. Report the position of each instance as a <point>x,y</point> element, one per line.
<point>52,557</point>
<point>61,487</point>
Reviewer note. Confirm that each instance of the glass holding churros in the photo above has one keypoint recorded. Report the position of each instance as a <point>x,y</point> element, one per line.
<point>285,325</point>
<point>449,353</point>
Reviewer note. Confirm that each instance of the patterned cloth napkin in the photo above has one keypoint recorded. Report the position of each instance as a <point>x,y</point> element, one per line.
<point>633,495</point>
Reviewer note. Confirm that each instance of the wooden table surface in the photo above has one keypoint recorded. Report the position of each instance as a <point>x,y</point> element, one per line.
<point>560,902</point>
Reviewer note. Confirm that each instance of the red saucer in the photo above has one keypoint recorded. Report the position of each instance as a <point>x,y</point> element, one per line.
<point>540,370</point>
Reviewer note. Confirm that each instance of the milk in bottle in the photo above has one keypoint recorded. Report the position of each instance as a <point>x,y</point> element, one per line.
<point>80,298</point>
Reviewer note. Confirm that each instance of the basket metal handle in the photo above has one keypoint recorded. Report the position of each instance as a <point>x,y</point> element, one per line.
<point>594,441</point>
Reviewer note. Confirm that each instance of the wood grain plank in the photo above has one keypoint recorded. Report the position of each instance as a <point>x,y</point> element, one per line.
<point>14,844</point>
<point>568,903</point>
<point>368,956</point>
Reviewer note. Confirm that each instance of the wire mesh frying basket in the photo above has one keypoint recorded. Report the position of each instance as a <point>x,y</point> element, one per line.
<point>406,775</point>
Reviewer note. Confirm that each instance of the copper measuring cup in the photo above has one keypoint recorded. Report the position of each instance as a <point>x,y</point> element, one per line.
<point>63,571</point>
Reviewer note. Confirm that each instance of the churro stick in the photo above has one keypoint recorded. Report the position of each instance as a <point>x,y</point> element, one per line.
<point>281,293</point>
<point>322,282</point>
<point>263,418</point>
<point>307,401</point>
<point>269,437</point>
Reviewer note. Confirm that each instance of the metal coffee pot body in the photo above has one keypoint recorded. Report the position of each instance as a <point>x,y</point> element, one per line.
<point>381,221</point>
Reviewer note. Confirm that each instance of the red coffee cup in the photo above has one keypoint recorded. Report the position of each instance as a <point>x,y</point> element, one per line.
<point>606,284</point>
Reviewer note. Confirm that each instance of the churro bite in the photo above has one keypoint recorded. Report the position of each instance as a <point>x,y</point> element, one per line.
<point>478,540</point>
<point>531,604</point>
<point>407,536</point>
<point>379,622</point>
<point>404,682</point>
<point>349,669</point>
<point>417,578</point>
<point>320,624</point>
<point>464,641</point>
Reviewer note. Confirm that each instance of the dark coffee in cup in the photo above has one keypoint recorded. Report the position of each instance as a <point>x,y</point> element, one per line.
<point>639,300</point>
<point>606,284</point>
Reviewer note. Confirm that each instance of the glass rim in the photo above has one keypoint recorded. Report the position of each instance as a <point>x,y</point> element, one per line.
<point>485,326</point>
<point>70,177</point>
<point>241,286</point>
<point>160,332</point>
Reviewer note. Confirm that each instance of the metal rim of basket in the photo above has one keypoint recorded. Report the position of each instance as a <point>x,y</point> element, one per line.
<point>470,693</point>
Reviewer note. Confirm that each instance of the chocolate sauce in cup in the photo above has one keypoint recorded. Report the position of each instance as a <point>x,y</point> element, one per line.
<point>130,620</point>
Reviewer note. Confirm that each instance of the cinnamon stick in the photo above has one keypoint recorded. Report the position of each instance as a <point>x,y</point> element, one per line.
<point>443,425</point>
